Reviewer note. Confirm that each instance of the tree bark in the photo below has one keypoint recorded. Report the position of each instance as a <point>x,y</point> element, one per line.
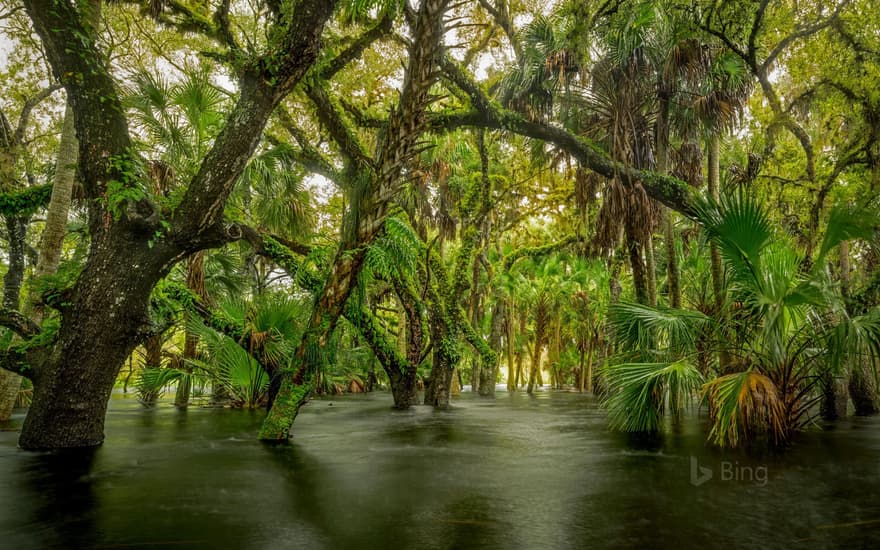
<point>511,365</point>
<point>535,368</point>
<point>55,230</point>
<point>16,229</point>
<point>104,315</point>
<point>381,184</point>
<point>651,269</point>
<point>489,372</point>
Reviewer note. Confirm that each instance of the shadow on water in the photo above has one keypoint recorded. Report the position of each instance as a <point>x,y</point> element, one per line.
<point>516,472</point>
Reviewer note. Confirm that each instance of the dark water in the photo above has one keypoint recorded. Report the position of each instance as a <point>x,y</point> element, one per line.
<point>518,472</point>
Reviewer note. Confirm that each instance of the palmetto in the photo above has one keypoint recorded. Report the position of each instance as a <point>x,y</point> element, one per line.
<point>790,328</point>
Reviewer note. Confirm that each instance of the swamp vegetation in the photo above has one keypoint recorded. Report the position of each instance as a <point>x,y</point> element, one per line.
<point>666,209</point>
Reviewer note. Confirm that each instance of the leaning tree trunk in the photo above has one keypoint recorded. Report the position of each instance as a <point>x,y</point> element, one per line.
<point>107,317</point>
<point>380,182</point>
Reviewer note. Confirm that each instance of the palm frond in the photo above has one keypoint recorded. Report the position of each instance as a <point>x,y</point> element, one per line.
<point>743,405</point>
<point>638,393</point>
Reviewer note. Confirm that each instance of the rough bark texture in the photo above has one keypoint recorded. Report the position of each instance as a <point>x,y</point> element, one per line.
<point>379,186</point>
<point>104,315</point>
<point>59,205</point>
<point>16,228</point>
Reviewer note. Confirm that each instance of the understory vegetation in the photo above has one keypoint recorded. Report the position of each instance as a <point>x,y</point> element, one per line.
<point>668,204</point>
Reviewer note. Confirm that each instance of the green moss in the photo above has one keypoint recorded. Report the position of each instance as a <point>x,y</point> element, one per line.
<point>287,403</point>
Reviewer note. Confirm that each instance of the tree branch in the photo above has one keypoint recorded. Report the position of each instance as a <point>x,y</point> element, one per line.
<point>18,323</point>
<point>672,192</point>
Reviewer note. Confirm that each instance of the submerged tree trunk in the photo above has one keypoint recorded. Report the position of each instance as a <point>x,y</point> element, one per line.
<point>511,364</point>
<point>195,281</point>
<point>106,319</point>
<point>535,368</point>
<point>862,393</point>
<point>489,373</point>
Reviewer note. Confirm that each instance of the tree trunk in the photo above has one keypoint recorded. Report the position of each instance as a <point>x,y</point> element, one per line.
<point>640,283</point>
<point>651,271</point>
<point>862,394</point>
<point>16,229</point>
<point>489,373</point>
<point>834,394</point>
<point>55,230</point>
<point>520,352</point>
<point>672,278</point>
<point>662,146</point>
<point>591,347</point>
<point>717,267</point>
<point>511,365</point>
<point>535,368</point>
<point>107,317</point>
<point>195,281</point>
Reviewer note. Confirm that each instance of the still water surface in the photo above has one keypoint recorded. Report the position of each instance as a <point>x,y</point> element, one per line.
<point>517,472</point>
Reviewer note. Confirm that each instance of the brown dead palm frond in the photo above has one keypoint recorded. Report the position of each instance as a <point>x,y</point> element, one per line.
<point>743,405</point>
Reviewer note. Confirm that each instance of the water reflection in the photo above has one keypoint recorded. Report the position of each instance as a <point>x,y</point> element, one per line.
<point>518,472</point>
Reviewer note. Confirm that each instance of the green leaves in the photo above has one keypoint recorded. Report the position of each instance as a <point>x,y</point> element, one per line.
<point>638,393</point>
<point>845,223</point>
<point>741,228</point>
<point>641,327</point>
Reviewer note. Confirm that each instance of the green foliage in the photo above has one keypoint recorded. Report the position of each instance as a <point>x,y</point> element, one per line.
<point>638,393</point>
<point>26,201</point>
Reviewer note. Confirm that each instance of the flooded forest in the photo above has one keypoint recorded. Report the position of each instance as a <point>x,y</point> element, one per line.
<point>439,274</point>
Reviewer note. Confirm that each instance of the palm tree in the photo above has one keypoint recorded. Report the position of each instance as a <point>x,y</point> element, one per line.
<point>787,330</point>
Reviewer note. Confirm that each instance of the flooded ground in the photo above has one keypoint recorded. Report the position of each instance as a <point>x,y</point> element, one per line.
<point>517,472</point>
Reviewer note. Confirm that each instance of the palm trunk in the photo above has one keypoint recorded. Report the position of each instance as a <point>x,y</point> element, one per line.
<point>511,365</point>
<point>715,255</point>
<point>662,141</point>
<point>672,278</point>
<point>535,368</point>
<point>589,376</point>
<point>651,269</point>
<point>582,375</point>
<point>195,281</point>
<point>55,230</point>
<point>640,283</point>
